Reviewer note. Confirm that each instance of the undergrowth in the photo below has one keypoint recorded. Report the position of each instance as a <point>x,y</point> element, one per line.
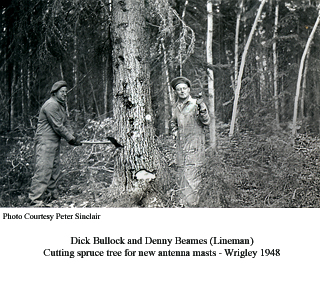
<point>249,170</point>
<point>261,171</point>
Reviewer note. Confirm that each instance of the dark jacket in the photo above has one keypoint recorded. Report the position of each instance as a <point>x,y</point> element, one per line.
<point>52,122</point>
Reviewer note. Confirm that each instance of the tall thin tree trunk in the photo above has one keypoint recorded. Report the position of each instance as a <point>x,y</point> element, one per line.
<point>171,49</point>
<point>168,97</point>
<point>12,98</point>
<point>213,140</point>
<point>28,92</point>
<point>107,63</point>
<point>236,45</point>
<point>316,89</point>
<point>105,85</point>
<point>228,52</point>
<point>22,95</point>
<point>165,102</point>
<point>262,69</point>
<point>275,65</point>
<point>307,47</point>
<point>75,66</point>
<point>182,40</point>
<point>243,61</point>
<point>304,86</point>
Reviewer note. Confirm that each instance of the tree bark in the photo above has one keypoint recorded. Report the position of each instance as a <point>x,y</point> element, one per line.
<point>132,101</point>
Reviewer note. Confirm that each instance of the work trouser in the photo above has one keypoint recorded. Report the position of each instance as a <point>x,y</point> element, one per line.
<point>190,179</point>
<point>189,168</point>
<point>47,168</point>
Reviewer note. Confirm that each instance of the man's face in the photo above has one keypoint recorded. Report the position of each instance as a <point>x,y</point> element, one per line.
<point>183,90</point>
<point>61,94</point>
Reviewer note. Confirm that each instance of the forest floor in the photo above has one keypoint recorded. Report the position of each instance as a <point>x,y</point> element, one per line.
<point>248,170</point>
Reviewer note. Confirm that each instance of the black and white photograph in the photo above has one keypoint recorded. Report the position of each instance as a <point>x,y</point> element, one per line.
<point>173,141</point>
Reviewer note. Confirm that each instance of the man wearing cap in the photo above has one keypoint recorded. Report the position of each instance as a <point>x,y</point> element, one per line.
<point>52,126</point>
<point>189,116</point>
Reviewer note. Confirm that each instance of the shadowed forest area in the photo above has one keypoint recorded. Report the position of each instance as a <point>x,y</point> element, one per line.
<point>265,149</point>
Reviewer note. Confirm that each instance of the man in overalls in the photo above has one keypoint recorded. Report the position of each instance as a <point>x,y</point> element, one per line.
<point>189,116</point>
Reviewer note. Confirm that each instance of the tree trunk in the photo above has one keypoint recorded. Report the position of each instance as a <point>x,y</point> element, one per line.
<point>275,65</point>
<point>295,109</point>
<point>22,99</point>
<point>12,98</point>
<point>107,75</point>
<point>132,100</point>
<point>28,91</point>
<point>316,89</point>
<point>304,86</point>
<point>182,40</point>
<point>105,86</point>
<point>213,140</point>
<point>171,97</point>
<point>262,69</point>
<point>75,65</point>
<point>243,61</point>
<point>236,45</point>
<point>166,103</point>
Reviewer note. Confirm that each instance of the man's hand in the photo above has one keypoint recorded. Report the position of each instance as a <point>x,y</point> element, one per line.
<point>75,142</point>
<point>201,105</point>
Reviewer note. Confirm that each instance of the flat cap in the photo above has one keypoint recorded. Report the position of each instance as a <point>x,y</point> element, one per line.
<point>179,80</point>
<point>56,86</point>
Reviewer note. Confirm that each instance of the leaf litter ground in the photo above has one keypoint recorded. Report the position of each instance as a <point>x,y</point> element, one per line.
<point>248,170</point>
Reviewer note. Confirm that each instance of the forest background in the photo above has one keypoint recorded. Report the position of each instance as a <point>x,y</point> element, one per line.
<point>255,63</point>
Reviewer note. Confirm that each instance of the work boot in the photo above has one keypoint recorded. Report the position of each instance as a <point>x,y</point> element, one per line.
<point>55,195</point>
<point>51,196</point>
<point>37,203</point>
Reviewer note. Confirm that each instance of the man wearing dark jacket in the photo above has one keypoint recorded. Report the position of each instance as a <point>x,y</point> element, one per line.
<point>52,126</point>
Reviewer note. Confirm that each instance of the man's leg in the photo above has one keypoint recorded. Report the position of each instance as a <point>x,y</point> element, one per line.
<point>45,155</point>
<point>52,185</point>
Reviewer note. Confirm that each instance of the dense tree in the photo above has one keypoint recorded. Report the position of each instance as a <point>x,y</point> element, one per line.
<point>44,41</point>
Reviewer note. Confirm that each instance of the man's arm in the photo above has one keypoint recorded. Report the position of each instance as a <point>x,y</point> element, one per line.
<point>55,120</point>
<point>204,116</point>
